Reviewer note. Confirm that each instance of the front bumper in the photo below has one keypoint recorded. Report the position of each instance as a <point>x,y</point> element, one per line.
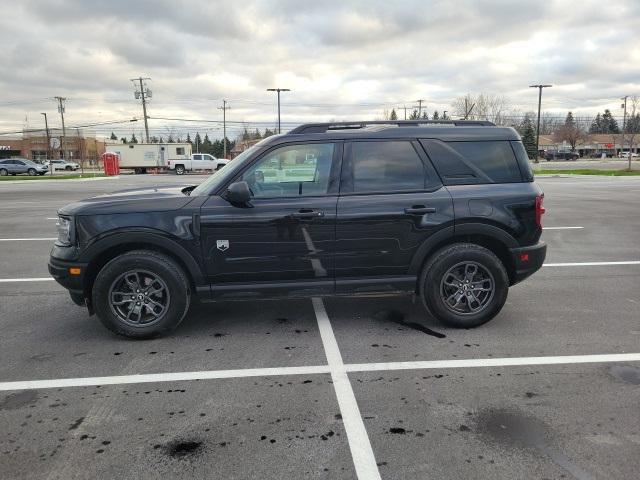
<point>527,260</point>
<point>59,270</point>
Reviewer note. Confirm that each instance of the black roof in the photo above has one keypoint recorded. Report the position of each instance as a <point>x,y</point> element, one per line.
<point>447,130</point>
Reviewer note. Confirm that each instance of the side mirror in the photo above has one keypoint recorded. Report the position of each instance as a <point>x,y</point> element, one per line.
<point>239,193</point>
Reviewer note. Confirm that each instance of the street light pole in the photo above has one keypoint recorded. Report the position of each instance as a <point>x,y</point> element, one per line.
<point>539,87</point>
<point>278,90</point>
<point>46,127</point>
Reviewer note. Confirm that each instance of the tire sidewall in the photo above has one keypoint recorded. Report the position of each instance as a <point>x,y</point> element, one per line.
<point>159,265</point>
<point>446,259</point>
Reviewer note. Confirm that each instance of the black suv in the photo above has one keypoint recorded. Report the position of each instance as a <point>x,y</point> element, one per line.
<point>446,210</point>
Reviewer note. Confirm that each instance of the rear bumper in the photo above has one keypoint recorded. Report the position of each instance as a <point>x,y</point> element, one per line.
<point>527,260</point>
<point>59,270</point>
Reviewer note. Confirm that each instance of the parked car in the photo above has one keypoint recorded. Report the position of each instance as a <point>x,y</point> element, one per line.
<point>626,154</point>
<point>16,166</point>
<point>62,165</point>
<point>198,161</point>
<point>561,155</point>
<point>447,212</point>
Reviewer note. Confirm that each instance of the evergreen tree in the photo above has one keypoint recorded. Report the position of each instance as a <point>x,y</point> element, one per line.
<point>133,138</point>
<point>596,125</point>
<point>569,121</point>
<point>267,133</point>
<point>161,140</point>
<point>435,116</point>
<point>425,116</point>
<point>414,115</point>
<point>189,139</point>
<point>197,142</point>
<point>257,135</point>
<point>633,124</point>
<point>609,124</point>
<point>113,136</point>
<point>123,140</point>
<point>207,146</point>
<point>393,115</point>
<point>170,139</point>
<point>529,138</point>
<point>444,116</point>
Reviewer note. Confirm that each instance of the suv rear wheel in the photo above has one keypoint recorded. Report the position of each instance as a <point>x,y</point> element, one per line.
<point>141,294</point>
<point>464,285</point>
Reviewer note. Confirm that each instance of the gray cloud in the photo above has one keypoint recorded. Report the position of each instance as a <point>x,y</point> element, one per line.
<point>342,59</point>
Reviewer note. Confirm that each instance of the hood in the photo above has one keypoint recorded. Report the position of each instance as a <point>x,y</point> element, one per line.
<point>153,199</point>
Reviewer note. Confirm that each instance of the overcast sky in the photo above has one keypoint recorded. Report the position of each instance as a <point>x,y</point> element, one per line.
<point>341,59</point>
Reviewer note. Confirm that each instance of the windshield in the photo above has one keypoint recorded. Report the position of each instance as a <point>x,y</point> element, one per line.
<point>220,176</point>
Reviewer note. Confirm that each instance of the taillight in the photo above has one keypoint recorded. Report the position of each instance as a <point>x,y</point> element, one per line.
<point>539,209</point>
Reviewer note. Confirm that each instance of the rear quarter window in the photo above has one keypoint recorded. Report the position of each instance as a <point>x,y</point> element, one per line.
<point>465,163</point>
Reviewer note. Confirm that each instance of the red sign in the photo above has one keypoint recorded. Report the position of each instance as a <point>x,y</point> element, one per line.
<point>608,145</point>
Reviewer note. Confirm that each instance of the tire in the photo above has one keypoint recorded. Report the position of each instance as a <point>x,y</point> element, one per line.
<point>3,172</point>
<point>438,275</point>
<point>180,170</point>
<point>32,172</point>
<point>68,168</point>
<point>147,322</point>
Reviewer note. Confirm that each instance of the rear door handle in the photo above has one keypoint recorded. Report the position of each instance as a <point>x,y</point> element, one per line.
<point>307,213</point>
<point>419,209</point>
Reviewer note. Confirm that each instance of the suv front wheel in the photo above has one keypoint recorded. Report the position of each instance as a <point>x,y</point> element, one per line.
<point>141,294</point>
<point>464,285</point>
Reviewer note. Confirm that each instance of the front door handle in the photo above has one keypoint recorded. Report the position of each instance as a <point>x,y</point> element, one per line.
<point>307,213</point>
<point>419,209</point>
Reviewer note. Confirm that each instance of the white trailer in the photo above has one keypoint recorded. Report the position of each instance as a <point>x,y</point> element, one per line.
<point>147,156</point>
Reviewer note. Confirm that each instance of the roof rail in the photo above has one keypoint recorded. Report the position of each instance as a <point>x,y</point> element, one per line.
<point>324,127</point>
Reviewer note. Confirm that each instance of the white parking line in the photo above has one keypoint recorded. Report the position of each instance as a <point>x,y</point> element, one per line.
<point>577,264</point>
<point>493,362</point>
<point>34,239</point>
<point>37,279</point>
<point>316,369</point>
<point>363,458</point>
<point>162,377</point>
<point>591,264</point>
<point>562,228</point>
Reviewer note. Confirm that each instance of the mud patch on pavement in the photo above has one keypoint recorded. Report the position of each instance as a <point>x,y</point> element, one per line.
<point>514,429</point>
<point>397,317</point>
<point>182,448</point>
<point>626,374</point>
<point>19,399</point>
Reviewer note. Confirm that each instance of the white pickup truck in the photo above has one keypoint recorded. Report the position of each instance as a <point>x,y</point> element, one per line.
<point>198,161</point>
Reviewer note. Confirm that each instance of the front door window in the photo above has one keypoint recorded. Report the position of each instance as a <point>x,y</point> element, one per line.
<point>292,171</point>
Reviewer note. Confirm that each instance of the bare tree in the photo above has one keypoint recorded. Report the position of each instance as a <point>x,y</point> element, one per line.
<point>569,132</point>
<point>484,106</point>
<point>629,134</point>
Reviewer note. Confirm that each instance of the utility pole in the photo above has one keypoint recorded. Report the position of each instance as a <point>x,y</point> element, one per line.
<point>61,101</point>
<point>539,87</point>
<point>419,107</point>
<point>624,125</point>
<point>143,94</point>
<point>224,109</point>
<point>467,108</point>
<point>46,127</point>
<point>278,90</point>
<point>444,115</point>
<point>405,111</point>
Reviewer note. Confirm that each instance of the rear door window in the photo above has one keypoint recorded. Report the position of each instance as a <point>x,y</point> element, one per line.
<point>464,163</point>
<point>383,166</point>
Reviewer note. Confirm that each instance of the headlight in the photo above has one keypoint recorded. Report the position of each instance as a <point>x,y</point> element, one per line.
<point>64,226</point>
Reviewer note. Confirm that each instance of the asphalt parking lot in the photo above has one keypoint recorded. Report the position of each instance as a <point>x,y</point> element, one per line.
<point>331,388</point>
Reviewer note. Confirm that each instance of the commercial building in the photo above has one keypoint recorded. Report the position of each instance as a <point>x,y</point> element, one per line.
<point>79,145</point>
<point>595,144</point>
